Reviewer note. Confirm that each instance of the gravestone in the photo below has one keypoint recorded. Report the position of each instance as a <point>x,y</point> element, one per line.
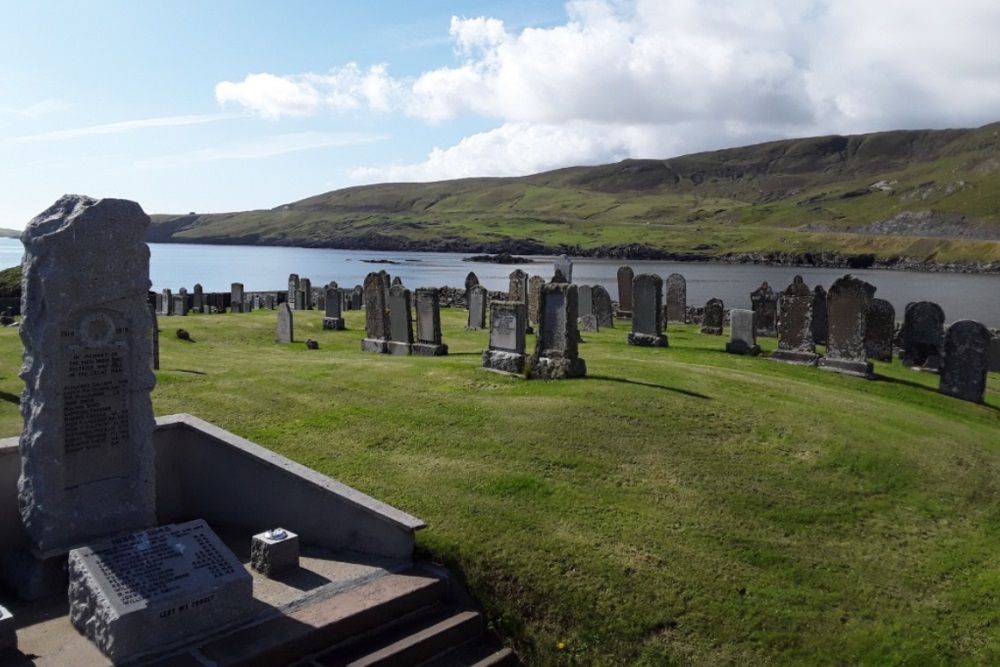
<point>135,594</point>
<point>155,338</point>
<point>428,342</point>
<point>397,281</point>
<point>286,330</point>
<point>293,290</point>
<point>159,302</point>
<point>333,317</point>
<point>713,318</point>
<point>742,333</point>
<point>922,335</point>
<point>477,298</point>
<point>820,321</point>
<point>965,361</point>
<point>180,305</point>
<point>556,353</point>
<point>86,446</point>
<point>585,300</point>
<point>198,299</point>
<point>534,298</point>
<point>603,309</point>
<point>764,302</point>
<point>507,334</point>
<point>517,287</point>
<point>795,326</point>
<point>589,323</point>
<point>564,265</point>
<point>994,365</point>
<point>847,310</point>
<point>647,311</point>
<point>168,302</point>
<point>386,284</point>
<point>357,298</point>
<point>236,297</point>
<point>471,281</point>
<point>269,301</point>
<point>677,298</point>
<point>400,320</point>
<point>376,316</point>
<point>299,302</point>
<point>626,278</point>
<point>305,286</point>
<point>880,330</point>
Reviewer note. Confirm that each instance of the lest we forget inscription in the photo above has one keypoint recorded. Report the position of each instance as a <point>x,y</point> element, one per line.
<point>142,592</point>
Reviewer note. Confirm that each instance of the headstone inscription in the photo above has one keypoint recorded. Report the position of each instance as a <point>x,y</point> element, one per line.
<point>625,280</point>
<point>820,322</point>
<point>400,321</point>
<point>603,309</point>
<point>286,330</point>
<point>477,298</point>
<point>676,298</point>
<point>712,320</point>
<point>86,447</point>
<point>847,309</point>
<point>333,317</point>
<point>376,316</point>
<point>556,353</point>
<point>293,289</point>
<point>647,311</point>
<point>534,298</point>
<point>742,333</point>
<point>428,309</point>
<point>922,335</point>
<point>881,329</point>
<point>966,361</point>
<point>795,326</point>
<point>764,302</point>
<point>507,334</point>
<point>139,593</point>
<point>564,265</point>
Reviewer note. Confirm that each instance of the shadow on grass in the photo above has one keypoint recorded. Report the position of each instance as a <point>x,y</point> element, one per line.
<point>187,370</point>
<point>917,385</point>
<point>10,398</point>
<point>652,385</point>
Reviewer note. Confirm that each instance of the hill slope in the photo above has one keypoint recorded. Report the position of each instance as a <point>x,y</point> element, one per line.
<point>928,195</point>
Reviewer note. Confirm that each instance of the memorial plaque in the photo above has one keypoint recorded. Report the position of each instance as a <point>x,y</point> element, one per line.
<point>142,592</point>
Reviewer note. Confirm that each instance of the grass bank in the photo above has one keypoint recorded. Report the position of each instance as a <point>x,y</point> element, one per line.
<point>677,506</point>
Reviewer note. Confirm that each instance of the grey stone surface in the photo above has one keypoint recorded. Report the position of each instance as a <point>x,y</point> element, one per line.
<point>477,297</point>
<point>86,445</point>
<point>8,633</point>
<point>795,325</point>
<point>471,280</point>
<point>305,286</point>
<point>556,354</point>
<point>286,324</point>
<point>847,309</point>
<point>564,265</point>
<point>966,360</point>
<point>881,329</point>
<point>143,592</point>
<point>589,323</point>
<point>154,337</point>
<point>585,300</point>
<point>236,297</point>
<point>765,305</point>
<point>820,322</point>
<point>400,320</point>
<point>180,306</point>
<point>647,311</point>
<point>428,307</point>
<point>293,290</point>
<point>333,318</point>
<point>994,364</point>
<point>274,552</point>
<point>357,298</point>
<point>742,332</point>
<point>625,279</point>
<point>517,290</point>
<point>198,298</point>
<point>168,302</point>
<point>376,315</point>
<point>603,308</point>
<point>922,335</point>
<point>507,337</point>
<point>712,320</point>
<point>534,298</point>
<point>676,286</point>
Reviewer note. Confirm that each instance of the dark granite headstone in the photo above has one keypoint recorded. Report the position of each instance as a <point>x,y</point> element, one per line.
<point>293,290</point>
<point>677,298</point>
<point>922,335</point>
<point>881,329</point>
<point>626,278</point>
<point>713,318</point>
<point>795,325</point>
<point>820,322</point>
<point>765,307</point>
<point>966,361</point>
<point>376,315</point>
<point>647,311</point>
<point>603,309</point>
<point>556,351</point>
<point>429,323</point>
<point>198,299</point>
<point>400,320</point>
<point>236,297</point>
<point>333,317</point>
<point>585,299</point>
<point>847,310</point>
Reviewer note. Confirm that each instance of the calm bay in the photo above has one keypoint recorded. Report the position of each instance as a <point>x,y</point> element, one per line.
<point>260,268</point>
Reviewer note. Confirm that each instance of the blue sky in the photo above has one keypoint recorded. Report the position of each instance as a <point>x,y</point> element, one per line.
<point>220,105</point>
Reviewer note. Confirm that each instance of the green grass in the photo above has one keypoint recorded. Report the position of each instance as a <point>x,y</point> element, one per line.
<point>677,506</point>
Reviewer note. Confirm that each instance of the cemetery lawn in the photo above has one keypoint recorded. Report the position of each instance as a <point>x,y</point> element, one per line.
<point>677,506</point>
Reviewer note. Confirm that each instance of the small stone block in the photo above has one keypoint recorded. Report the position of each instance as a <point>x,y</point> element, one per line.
<point>274,551</point>
<point>8,636</point>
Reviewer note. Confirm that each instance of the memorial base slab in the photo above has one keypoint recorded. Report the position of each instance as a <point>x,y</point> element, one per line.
<point>553,368</point>
<point>430,350</point>
<point>374,345</point>
<point>647,340</point>
<point>396,347</point>
<point>742,347</point>
<point>333,323</point>
<point>795,357</point>
<point>504,362</point>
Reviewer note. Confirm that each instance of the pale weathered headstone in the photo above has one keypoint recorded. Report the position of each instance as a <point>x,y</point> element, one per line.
<point>966,360</point>
<point>286,325</point>
<point>180,305</point>
<point>795,326</point>
<point>647,311</point>
<point>376,316</point>
<point>625,280</point>
<point>293,290</point>
<point>86,446</point>
<point>847,309</point>
<point>677,298</point>
<point>428,308</point>
<point>556,344</point>
<point>742,333</point>
<point>585,299</point>
<point>357,298</point>
<point>168,302</point>
<point>765,306</point>
<point>922,335</point>
<point>507,334</point>
<point>400,320</point>
<point>881,329</point>
<point>603,308</point>
<point>477,299</point>
<point>333,317</point>
<point>564,265</point>
<point>820,322</point>
<point>713,318</point>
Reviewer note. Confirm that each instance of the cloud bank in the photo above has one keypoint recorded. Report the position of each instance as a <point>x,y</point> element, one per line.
<point>656,78</point>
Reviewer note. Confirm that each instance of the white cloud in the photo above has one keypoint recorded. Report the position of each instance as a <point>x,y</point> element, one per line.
<point>118,128</point>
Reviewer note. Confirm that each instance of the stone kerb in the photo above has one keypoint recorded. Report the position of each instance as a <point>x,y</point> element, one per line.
<point>428,308</point>
<point>556,353</point>
<point>847,309</point>
<point>647,312</point>
<point>400,321</point>
<point>966,361</point>
<point>507,337</point>
<point>795,326</point>
<point>86,445</point>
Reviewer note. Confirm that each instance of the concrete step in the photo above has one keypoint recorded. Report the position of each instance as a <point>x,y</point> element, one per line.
<point>409,641</point>
<point>479,652</point>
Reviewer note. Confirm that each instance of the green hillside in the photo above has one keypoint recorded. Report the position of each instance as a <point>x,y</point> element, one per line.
<point>927,195</point>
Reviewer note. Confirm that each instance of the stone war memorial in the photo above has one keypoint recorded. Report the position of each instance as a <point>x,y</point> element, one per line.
<point>110,536</point>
